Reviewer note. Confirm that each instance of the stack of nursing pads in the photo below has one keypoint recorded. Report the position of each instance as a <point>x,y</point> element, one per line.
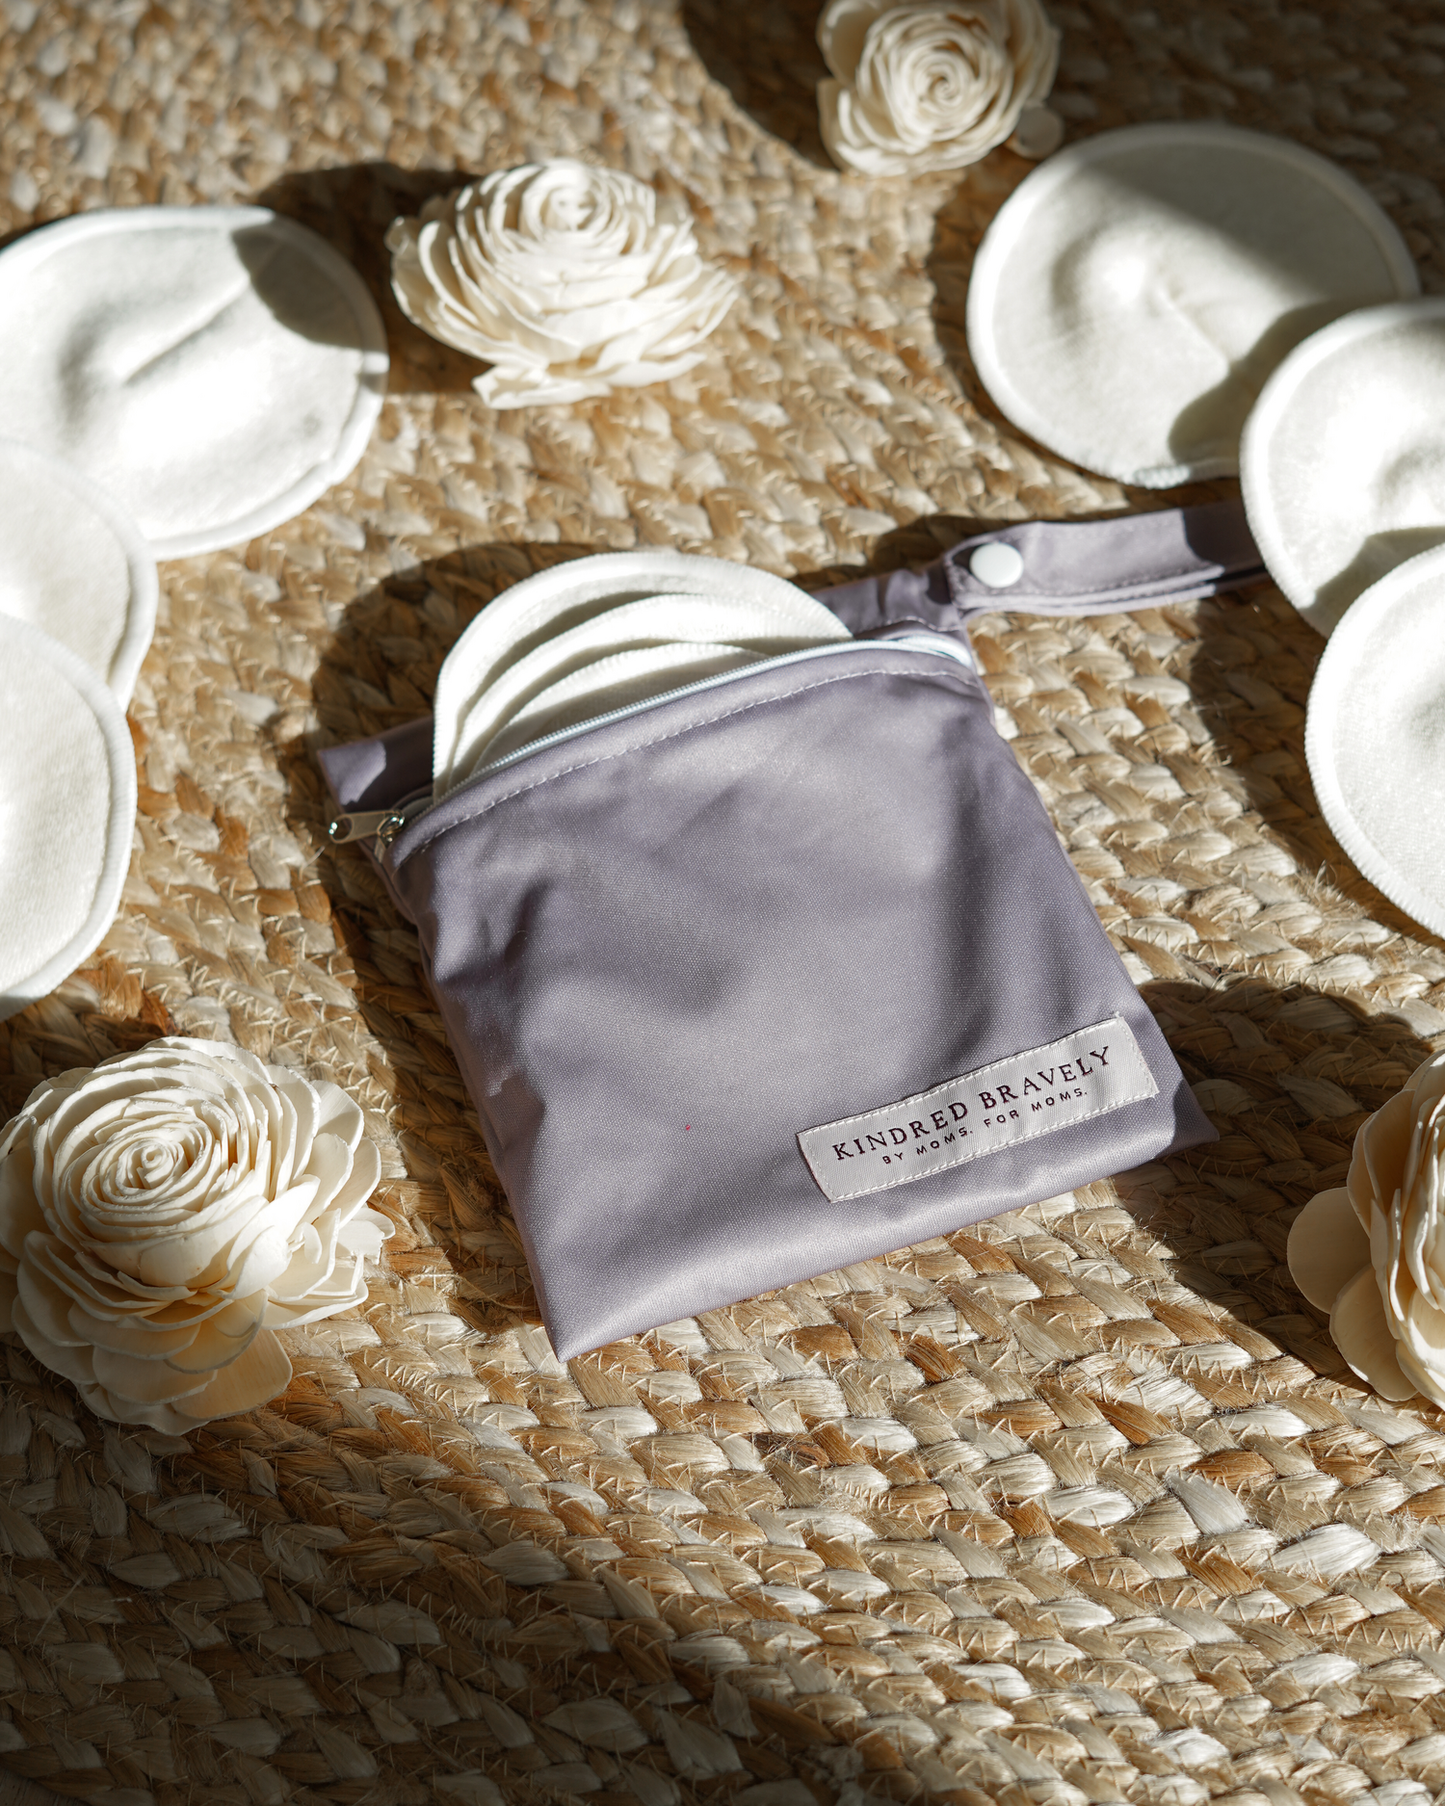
<point>181,379</point>
<point>77,609</point>
<point>1343,466</point>
<point>587,638</point>
<point>1169,302</point>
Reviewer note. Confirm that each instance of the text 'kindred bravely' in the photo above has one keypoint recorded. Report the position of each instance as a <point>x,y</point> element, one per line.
<point>1033,1092</point>
<point>999,1106</point>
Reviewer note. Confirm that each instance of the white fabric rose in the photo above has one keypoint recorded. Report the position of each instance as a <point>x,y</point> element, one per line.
<point>1372,1252</point>
<point>931,84</point>
<point>563,277</point>
<point>164,1213</point>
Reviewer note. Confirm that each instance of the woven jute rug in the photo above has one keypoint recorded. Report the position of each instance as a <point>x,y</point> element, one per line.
<point>1077,1506</point>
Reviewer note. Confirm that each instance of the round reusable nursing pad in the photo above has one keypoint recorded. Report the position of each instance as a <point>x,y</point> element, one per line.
<point>1343,459</point>
<point>1375,736</point>
<point>74,564</point>
<point>67,811</point>
<point>526,617</point>
<point>213,368</point>
<point>1135,291</point>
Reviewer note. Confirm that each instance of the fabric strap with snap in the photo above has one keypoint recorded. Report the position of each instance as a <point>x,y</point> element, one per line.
<point>1061,567</point>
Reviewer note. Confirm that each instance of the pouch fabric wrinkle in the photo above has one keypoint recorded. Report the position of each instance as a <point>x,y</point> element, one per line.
<point>667,947</point>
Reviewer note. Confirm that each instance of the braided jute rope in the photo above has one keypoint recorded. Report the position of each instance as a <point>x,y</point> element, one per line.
<point>1079,1506</point>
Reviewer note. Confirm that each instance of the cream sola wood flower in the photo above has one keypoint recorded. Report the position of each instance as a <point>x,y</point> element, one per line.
<point>563,277</point>
<point>163,1214</point>
<point>934,84</point>
<point>1372,1252</point>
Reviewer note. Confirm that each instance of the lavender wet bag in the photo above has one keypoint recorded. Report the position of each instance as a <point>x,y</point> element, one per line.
<point>781,968</point>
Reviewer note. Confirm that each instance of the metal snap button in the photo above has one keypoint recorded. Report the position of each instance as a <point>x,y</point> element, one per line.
<point>996,564</point>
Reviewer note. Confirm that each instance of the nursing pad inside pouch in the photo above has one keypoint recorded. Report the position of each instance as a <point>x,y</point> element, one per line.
<point>67,812</point>
<point>616,681</point>
<point>74,564</point>
<point>1375,736</point>
<point>602,633</point>
<point>1135,291</point>
<point>214,368</point>
<point>1343,459</point>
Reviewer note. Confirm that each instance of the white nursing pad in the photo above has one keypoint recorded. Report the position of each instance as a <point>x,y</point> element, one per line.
<point>74,564</point>
<point>1135,291</point>
<point>658,623</point>
<point>524,617</point>
<point>1375,736</point>
<point>1343,459</point>
<point>611,683</point>
<point>67,812</point>
<point>213,368</point>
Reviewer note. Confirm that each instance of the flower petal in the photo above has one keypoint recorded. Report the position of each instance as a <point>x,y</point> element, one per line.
<point>1421,1347</point>
<point>19,1210</point>
<point>842,29</point>
<point>264,1261</point>
<point>260,1373</point>
<point>365,1233</point>
<point>1381,1148</point>
<point>312,1261</point>
<point>74,1364</point>
<point>222,1339</point>
<point>147,1382</point>
<point>46,1305</point>
<point>345,1287</point>
<point>338,1114</point>
<point>146,1337</point>
<point>1326,1247</point>
<point>330,1167</point>
<point>1362,1335</point>
<point>363,1180</point>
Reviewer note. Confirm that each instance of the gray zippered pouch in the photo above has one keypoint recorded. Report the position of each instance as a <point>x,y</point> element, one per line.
<point>787,968</point>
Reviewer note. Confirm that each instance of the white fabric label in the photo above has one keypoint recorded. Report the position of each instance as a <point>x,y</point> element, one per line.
<point>1088,1073</point>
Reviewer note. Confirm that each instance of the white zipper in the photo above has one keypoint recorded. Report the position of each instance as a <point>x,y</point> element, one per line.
<point>386,824</point>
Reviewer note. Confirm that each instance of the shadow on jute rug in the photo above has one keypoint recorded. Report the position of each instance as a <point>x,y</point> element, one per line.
<point>1077,1506</point>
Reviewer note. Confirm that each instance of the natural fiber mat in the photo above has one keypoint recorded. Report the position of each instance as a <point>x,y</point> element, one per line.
<point>1078,1506</point>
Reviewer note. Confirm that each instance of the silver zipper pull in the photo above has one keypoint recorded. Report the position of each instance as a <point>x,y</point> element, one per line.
<point>359,824</point>
<point>384,824</point>
<point>388,830</point>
